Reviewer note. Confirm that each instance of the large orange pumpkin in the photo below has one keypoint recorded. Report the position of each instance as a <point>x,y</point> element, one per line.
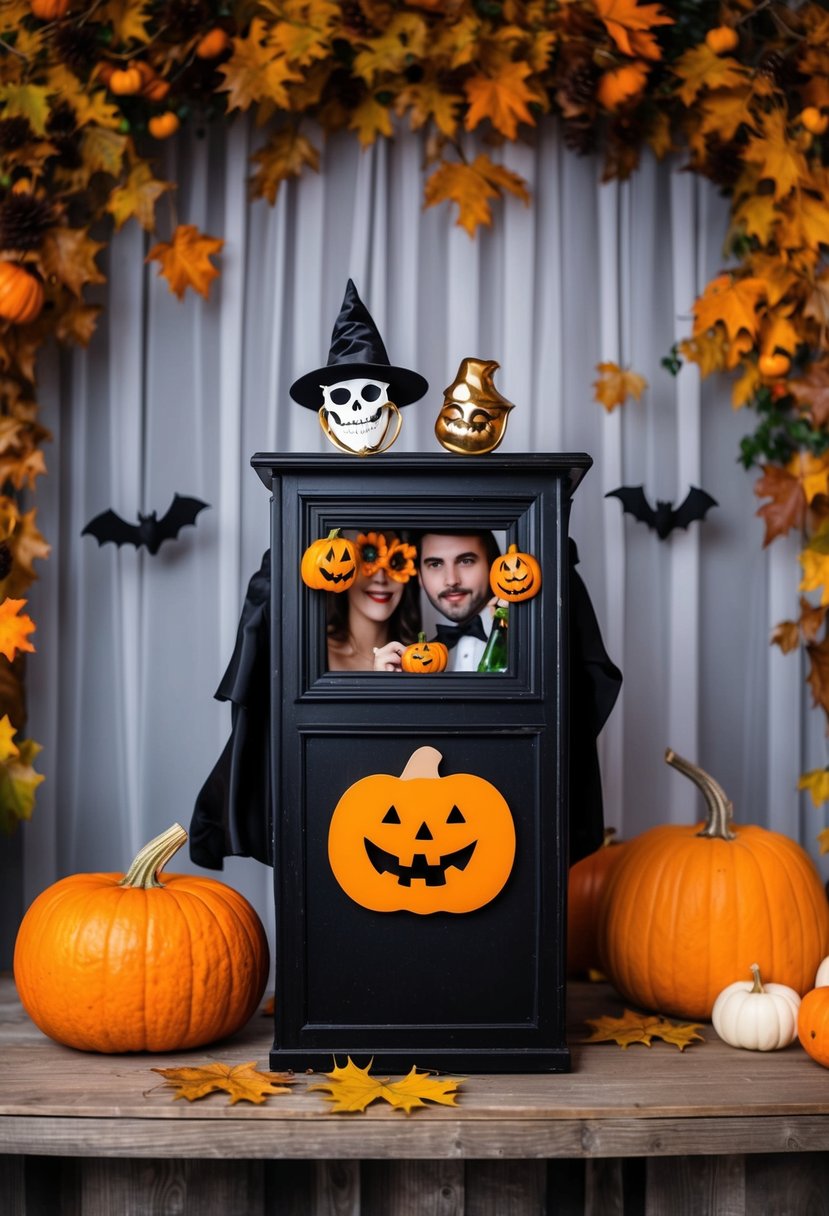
<point>813,1025</point>
<point>421,842</point>
<point>688,906</point>
<point>115,963</point>
<point>21,294</point>
<point>585,887</point>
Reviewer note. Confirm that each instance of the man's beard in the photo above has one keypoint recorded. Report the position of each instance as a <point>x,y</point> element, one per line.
<point>461,612</point>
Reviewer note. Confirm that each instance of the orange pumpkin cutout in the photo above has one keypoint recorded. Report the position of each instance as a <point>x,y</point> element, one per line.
<point>424,658</point>
<point>515,576</point>
<point>421,842</point>
<point>329,564</point>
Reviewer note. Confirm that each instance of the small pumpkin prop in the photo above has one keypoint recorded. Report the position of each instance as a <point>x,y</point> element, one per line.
<point>813,1025</point>
<point>423,658</point>
<point>618,85</point>
<point>21,294</point>
<point>585,887</point>
<point>329,564</point>
<point>125,82</point>
<point>686,906</point>
<point>115,963</point>
<point>49,10</point>
<point>421,842</point>
<point>774,364</point>
<point>162,126</point>
<point>813,120</point>
<point>758,1016</point>
<point>722,39</point>
<point>212,44</point>
<point>515,576</point>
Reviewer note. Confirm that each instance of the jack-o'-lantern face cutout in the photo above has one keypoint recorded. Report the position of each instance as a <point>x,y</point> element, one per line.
<point>424,658</point>
<point>421,842</point>
<point>329,564</point>
<point>515,576</point>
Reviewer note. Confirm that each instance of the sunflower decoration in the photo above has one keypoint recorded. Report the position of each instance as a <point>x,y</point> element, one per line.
<point>373,552</point>
<point>400,562</point>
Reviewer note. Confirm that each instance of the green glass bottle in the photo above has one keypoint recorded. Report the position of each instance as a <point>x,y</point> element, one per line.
<point>496,653</point>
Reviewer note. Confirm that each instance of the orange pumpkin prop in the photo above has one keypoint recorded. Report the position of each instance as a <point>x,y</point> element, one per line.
<point>424,658</point>
<point>813,1025</point>
<point>329,564</point>
<point>421,842</point>
<point>21,294</point>
<point>687,905</point>
<point>585,888</point>
<point>515,576</point>
<point>114,963</point>
<point>50,10</point>
<point>162,126</point>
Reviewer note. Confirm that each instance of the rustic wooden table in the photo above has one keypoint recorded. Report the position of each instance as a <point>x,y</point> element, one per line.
<point>651,1130</point>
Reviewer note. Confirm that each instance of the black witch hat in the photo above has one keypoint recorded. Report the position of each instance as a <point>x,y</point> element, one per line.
<point>357,352</point>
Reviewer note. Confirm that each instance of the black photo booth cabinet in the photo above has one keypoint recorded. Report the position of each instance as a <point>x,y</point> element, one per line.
<point>476,991</point>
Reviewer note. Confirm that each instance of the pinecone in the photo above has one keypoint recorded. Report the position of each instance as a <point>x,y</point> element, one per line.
<point>23,221</point>
<point>580,136</point>
<point>14,133</point>
<point>77,45</point>
<point>5,561</point>
<point>578,86</point>
<point>354,19</point>
<point>723,163</point>
<point>780,69</point>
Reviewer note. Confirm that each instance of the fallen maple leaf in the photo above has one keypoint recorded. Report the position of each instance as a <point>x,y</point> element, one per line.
<point>502,98</point>
<point>732,302</point>
<point>137,198</point>
<point>787,508</point>
<point>353,1089</point>
<point>471,187</point>
<point>634,1027</point>
<point>777,157</point>
<point>244,1082</point>
<point>185,260</point>
<point>815,573</point>
<point>629,25</point>
<point>285,155</point>
<point>786,635</point>
<point>616,384</point>
<point>700,69</point>
<point>817,783</point>
<point>14,629</point>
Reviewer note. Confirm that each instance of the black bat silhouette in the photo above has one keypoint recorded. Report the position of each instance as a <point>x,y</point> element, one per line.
<point>663,518</point>
<point>150,531</point>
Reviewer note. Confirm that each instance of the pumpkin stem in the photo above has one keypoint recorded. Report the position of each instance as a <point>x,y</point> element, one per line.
<point>422,763</point>
<point>333,534</point>
<point>512,549</point>
<point>153,857</point>
<point>720,807</point>
<point>758,983</point>
<point>421,638</point>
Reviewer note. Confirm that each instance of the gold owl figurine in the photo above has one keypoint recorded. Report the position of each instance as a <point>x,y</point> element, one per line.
<point>473,417</point>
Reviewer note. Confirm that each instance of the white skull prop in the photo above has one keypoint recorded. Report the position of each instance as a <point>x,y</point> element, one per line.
<point>358,413</point>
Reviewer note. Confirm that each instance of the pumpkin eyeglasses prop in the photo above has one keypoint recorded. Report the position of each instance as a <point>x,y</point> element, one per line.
<point>329,564</point>
<point>396,558</point>
<point>420,842</point>
<point>515,576</point>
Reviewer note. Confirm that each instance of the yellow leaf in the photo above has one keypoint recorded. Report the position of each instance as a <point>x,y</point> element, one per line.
<point>95,108</point>
<point>69,254</point>
<point>815,573</point>
<point>29,101</point>
<point>812,472</point>
<point>777,157</point>
<point>137,198</point>
<point>369,120</point>
<point>731,301</point>
<point>724,111</point>
<point>634,1027</point>
<point>256,72</point>
<point>306,31</point>
<point>244,1082</point>
<point>14,629</point>
<point>817,783</point>
<point>285,155</point>
<point>659,136</point>
<point>501,98</point>
<point>352,1089</point>
<point>128,18</point>
<point>700,69</point>
<point>471,187</point>
<point>18,782</point>
<point>805,219</point>
<point>746,385</point>
<point>12,14</point>
<point>823,840</point>
<point>8,747</point>
<point>427,101</point>
<point>404,38</point>
<point>616,384</point>
<point>458,42</point>
<point>103,150</point>
<point>185,260</point>
<point>709,350</point>
<point>629,25</point>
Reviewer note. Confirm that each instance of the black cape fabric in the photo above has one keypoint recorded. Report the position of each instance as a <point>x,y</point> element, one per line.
<point>232,817</point>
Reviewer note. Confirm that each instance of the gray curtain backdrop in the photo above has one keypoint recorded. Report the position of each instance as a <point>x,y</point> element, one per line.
<point>176,396</point>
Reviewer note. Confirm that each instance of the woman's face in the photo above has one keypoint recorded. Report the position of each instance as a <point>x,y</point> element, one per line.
<point>375,596</point>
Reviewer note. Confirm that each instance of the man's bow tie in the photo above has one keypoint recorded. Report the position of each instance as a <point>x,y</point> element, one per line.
<point>450,634</point>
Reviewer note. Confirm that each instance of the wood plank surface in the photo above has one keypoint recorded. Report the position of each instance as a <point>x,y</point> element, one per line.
<point>709,1099</point>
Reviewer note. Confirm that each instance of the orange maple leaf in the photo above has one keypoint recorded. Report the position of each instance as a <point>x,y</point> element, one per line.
<point>732,302</point>
<point>787,508</point>
<point>616,384</point>
<point>629,25</point>
<point>244,1082</point>
<point>472,187</point>
<point>633,1027</point>
<point>501,98</point>
<point>14,629</point>
<point>185,260</point>
<point>352,1089</point>
<point>285,155</point>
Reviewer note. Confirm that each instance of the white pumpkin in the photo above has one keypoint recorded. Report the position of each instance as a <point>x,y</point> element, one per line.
<point>822,977</point>
<point>758,1016</point>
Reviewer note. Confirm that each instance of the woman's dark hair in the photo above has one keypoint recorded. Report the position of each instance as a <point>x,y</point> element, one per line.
<point>404,623</point>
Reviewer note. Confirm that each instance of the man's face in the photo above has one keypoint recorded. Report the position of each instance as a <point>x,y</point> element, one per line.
<point>454,573</point>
